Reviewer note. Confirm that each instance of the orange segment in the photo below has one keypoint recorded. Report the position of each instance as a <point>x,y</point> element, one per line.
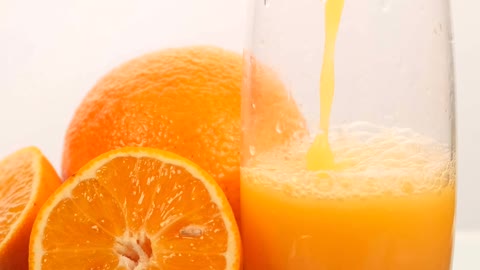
<point>26,181</point>
<point>137,207</point>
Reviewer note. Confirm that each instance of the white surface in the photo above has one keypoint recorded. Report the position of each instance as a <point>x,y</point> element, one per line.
<point>467,251</point>
<point>466,21</point>
<point>53,51</point>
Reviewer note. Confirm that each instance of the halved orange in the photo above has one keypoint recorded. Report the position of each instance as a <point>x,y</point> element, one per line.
<point>26,181</point>
<point>136,208</point>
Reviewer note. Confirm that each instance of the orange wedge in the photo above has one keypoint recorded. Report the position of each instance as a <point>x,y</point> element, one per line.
<point>136,208</point>
<point>26,181</point>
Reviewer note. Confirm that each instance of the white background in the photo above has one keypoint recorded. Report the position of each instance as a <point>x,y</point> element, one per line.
<point>53,51</point>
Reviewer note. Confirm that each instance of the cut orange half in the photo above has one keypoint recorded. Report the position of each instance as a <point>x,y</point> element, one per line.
<point>136,208</point>
<point>26,181</point>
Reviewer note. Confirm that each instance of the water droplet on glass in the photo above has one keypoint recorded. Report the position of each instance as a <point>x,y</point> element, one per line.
<point>252,150</point>
<point>279,128</point>
<point>438,29</point>
<point>385,5</point>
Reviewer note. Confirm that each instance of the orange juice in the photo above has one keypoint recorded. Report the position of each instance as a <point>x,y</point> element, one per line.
<point>388,204</point>
<point>320,156</point>
<point>357,197</point>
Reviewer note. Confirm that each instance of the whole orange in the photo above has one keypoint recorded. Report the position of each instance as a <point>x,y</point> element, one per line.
<point>184,100</point>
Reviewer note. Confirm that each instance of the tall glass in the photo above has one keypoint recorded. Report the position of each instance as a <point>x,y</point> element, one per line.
<point>348,157</point>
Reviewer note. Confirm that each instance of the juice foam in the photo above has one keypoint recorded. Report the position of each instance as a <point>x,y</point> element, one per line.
<point>369,160</point>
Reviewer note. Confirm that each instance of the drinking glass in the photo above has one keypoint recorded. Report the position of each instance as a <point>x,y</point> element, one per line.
<point>348,125</point>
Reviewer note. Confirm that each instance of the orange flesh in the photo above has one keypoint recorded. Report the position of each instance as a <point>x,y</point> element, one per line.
<point>27,179</point>
<point>15,189</point>
<point>136,211</point>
